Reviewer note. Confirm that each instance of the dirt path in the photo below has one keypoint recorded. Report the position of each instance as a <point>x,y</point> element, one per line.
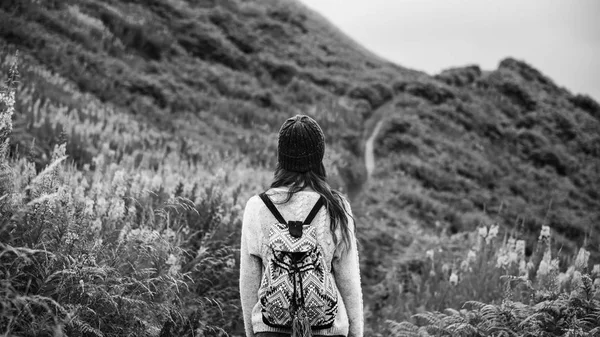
<point>372,128</point>
<point>369,153</point>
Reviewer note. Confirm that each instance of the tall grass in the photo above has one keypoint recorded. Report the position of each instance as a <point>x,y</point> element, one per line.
<point>136,242</point>
<point>496,290</point>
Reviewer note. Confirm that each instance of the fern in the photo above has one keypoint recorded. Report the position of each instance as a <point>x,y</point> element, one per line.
<point>406,329</point>
<point>429,318</point>
<point>84,328</point>
<point>475,304</point>
<point>462,329</point>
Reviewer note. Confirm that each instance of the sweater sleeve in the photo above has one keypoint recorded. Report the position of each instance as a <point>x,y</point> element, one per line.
<point>346,271</point>
<point>250,263</point>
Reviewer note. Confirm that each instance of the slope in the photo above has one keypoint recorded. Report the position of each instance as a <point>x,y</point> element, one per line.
<point>212,80</point>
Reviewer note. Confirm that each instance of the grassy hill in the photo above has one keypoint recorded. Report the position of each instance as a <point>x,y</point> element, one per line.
<point>187,96</point>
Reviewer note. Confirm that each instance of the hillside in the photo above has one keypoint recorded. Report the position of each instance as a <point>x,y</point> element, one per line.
<point>192,89</point>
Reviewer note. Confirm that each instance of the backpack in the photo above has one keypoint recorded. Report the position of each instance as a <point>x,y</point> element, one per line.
<point>297,291</point>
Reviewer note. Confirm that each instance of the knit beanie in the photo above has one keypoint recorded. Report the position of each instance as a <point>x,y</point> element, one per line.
<point>301,144</point>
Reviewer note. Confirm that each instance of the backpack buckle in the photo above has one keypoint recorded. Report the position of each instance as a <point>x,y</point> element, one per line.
<point>295,228</point>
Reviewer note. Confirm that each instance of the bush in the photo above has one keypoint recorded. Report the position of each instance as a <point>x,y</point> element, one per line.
<point>285,15</point>
<point>551,157</point>
<point>376,94</point>
<point>518,95</point>
<point>528,73</point>
<point>437,179</point>
<point>435,93</point>
<point>519,296</point>
<point>530,140</point>
<point>205,42</point>
<point>235,30</point>
<point>125,246</point>
<point>303,92</point>
<point>586,103</point>
<point>460,76</point>
<point>281,73</point>
<point>149,41</point>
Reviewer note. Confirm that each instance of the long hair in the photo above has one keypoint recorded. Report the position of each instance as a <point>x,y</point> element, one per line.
<point>317,180</point>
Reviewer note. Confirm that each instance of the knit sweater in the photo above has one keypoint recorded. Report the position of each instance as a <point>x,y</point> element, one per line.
<point>344,266</point>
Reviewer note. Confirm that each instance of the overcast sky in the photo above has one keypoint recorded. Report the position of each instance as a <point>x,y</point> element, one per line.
<point>561,38</point>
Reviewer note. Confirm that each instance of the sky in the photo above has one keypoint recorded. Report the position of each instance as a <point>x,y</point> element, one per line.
<point>561,38</point>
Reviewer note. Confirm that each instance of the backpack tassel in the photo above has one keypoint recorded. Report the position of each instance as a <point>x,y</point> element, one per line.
<point>301,326</point>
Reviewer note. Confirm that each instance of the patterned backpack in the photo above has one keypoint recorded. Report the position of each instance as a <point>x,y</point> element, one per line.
<point>297,291</point>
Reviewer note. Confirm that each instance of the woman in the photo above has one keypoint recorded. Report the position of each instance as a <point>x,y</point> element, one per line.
<point>299,271</point>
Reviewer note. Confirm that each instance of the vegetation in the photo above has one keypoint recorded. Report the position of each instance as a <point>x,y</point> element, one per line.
<point>138,129</point>
<point>517,295</point>
<point>120,249</point>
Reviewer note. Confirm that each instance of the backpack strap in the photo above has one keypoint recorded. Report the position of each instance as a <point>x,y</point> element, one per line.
<point>272,208</point>
<point>314,210</point>
<point>279,217</point>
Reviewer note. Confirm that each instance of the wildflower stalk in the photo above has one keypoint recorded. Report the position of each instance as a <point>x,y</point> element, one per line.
<point>542,304</point>
<point>7,107</point>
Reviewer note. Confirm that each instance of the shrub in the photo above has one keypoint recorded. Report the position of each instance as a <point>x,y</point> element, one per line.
<point>400,143</point>
<point>131,245</point>
<point>207,43</point>
<point>235,30</point>
<point>530,140</point>
<point>524,296</point>
<point>460,76</point>
<point>435,93</point>
<point>518,95</point>
<point>303,92</point>
<point>281,73</point>
<point>586,103</point>
<point>437,179</point>
<point>148,40</point>
<point>528,73</point>
<point>551,157</point>
<point>376,94</point>
<point>283,14</point>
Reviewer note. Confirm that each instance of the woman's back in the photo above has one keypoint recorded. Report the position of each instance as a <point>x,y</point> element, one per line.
<point>299,270</point>
<point>342,266</point>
